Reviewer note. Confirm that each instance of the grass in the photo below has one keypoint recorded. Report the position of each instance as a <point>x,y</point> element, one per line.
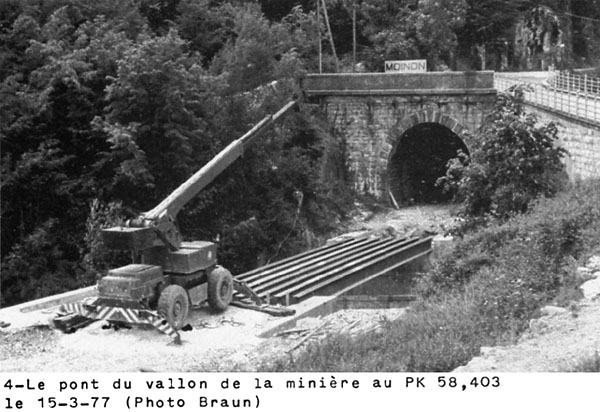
<point>588,364</point>
<point>483,294</point>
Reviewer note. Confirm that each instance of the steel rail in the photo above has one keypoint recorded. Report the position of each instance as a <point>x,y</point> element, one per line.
<point>301,291</point>
<point>276,283</point>
<point>317,264</point>
<point>294,260</point>
<point>331,269</point>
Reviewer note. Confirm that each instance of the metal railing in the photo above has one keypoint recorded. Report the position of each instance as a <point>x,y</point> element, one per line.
<point>572,95</point>
<point>576,83</point>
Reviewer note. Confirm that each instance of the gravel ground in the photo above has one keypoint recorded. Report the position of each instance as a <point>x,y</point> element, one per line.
<point>407,221</point>
<point>216,343</point>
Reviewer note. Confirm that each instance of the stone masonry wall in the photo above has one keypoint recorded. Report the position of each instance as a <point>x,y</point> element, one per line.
<point>580,139</point>
<point>373,125</point>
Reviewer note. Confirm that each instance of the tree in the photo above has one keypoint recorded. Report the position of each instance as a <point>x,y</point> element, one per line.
<point>205,26</point>
<point>488,27</point>
<point>413,30</point>
<point>255,53</point>
<point>160,14</point>
<point>104,116</point>
<point>275,10</point>
<point>51,166</point>
<point>156,118</point>
<point>586,31</point>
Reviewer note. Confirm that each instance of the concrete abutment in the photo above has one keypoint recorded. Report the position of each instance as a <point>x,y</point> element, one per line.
<point>581,139</point>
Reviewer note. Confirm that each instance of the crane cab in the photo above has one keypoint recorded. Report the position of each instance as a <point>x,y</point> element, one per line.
<point>169,281</point>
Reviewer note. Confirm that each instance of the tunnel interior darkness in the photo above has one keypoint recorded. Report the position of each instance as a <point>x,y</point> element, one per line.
<point>419,159</point>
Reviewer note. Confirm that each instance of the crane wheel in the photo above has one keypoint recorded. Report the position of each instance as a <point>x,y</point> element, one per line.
<point>173,305</point>
<point>220,288</point>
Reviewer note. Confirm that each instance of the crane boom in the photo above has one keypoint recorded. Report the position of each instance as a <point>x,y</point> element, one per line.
<point>199,180</point>
<point>162,217</point>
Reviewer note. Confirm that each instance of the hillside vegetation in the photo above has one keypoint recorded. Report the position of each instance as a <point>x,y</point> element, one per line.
<point>107,106</point>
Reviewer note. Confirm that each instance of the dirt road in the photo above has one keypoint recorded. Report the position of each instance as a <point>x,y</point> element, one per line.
<point>226,342</point>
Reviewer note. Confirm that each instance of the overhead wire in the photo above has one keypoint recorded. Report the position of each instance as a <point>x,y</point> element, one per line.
<point>579,17</point>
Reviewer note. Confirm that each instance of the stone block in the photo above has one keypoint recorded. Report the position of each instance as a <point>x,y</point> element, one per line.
<point>553,311</point>
<point>441,246</point>
<point>593,264</point>
<point>591,288</point>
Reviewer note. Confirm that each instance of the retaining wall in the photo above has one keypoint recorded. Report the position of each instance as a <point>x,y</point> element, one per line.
<point>580,139</point>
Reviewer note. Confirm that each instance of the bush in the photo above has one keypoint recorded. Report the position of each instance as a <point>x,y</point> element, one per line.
<point>514,161</point>
<point>97,258</point>
<point>39,265</point>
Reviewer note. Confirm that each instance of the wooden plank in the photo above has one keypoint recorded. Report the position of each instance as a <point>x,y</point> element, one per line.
<point>308,336</point>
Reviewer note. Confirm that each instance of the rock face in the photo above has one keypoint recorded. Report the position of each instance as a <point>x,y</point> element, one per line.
<point>544,37</point>
<point>540,40</point>
<point>556,341</point>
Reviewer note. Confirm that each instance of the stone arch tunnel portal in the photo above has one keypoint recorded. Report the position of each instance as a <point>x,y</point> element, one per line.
<point>419,158</point>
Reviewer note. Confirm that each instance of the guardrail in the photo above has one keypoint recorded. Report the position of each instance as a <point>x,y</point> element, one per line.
<point>570,82</point>
<point>572,95</point>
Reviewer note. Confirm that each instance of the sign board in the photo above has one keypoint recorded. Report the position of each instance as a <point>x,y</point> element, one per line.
<point>405,66</point>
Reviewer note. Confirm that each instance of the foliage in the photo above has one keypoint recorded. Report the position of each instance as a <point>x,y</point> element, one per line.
<point>97,258</point>
<point>513,161</point>
<point>260,51</point>
<point>411,30</point>
<point>40,265</point>
<point>460,34</point>
<point>488,26</point>
<point>482,294</point>
<point>155,115</point>
<point>205,28</point>
<point>294,195</point>
<point>50,160</point>
<point>108,106</point>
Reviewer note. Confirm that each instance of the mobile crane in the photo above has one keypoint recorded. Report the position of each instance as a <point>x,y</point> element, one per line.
<point>167,275</point>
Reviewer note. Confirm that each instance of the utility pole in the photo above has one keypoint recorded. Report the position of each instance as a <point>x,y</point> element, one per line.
<point>335,59</point>
<point>353,35</point>
<point>319,34</point>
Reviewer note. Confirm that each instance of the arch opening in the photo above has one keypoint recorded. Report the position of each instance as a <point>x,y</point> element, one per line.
<point>419,158</point>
